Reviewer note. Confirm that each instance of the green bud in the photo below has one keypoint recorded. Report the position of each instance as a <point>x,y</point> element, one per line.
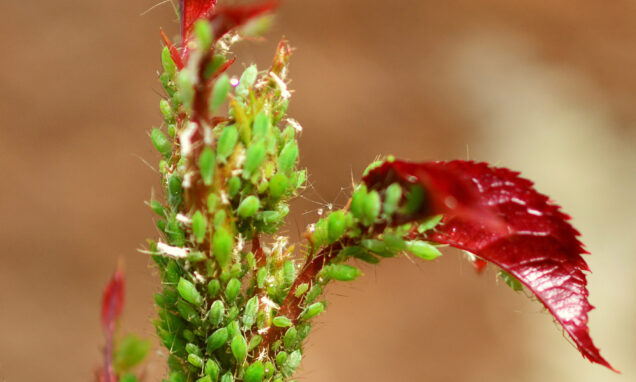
<point>212,370</point>
<point>195,360</point>
<point>226,143</point>
<point>253,158</point>
<point>222,244</point>
<point>227,377</point>
<point>249,206</point>
<point>312,311</point>
<point>199,226</point>
<point>358,201</point>
<point>175,191</point>
<point>247,81</point>
<point>239,348</point>
<point>282,322</point>
<point>161,142</point>
<point>189,292</point>
<point>186,87</point>
<point>422,249</point>
<point>214,286</point>
<point>281,358</point>
<point>167,62</point>
<point>219,92</point>
<point>217,339</point>
<point>336,226</point>
<point>278,185</point>
<point>289,340</point>
<point>287,157</point>
<point>392,199</point>
<point>232,290</point>
<point>254,372</point>
<point>371,208</point>
<point>206,165</point>
<point>301,289</point>
<point>217,311</point>
<point>511,281</point>
<point>203,32</point>
<point>249,315</point>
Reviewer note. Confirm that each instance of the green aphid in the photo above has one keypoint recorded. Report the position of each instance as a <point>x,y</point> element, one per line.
<point>254,372</point>
<point>314,292</point>
<point>429,223</point>
<point>261,276</point>
<point>174,233</point>
<point>394,243</point>
<point>359,253</point>
<point>249,206</point>
<point>217,339</point>
<point>157,208</point>
<point>206,165</point>
<point>188,335</point>
<point>290,338</point>
<point>172,130</point>
<point>232,289</point>
<point>414,200</point>
<point>287,157</point>
<point>195,360</point>
<point>172,272</point>
<point>233,328</point>
<point>214,286</point>
<point>217,61</point>
<point>168,64</point>
<point>321,233</point>
<point>222,244</point>
<point>253,158</point>
<point>278,185</point>
<point>186,87</point>
<point>249,314</point>
<point>217,313</point>
<point>422,249</point>
<point>166,110</point>
<point>196,256</point>
<point>226,143</point>
<point>282,322</point>
<point>358,200</point>
<point>378,247</point>
<point>293,361</point>
<point>312,311</point>
<point>233,186</point>
<point>177,377</point>
<point>219,218</point>
<point>170,294</point>
<point>261,125</point>
<point>511,281</point>
<point>336,226</point>
<point>161,143</point>
<point>193,349</point>
<point>248,78</point>
<point>371,208</point>
<point>212,202</point>
<point>392,198</point>
<point>129,378</point>
<point>159,299</point>
<point>289,273</point>
<point>199,226</point>
<point>251,260</point>
<point>189,292</point>
<point>269,369</point>
<point>301,289</point>
<point>254,342</point>
<point>212,370</point>
<point>239,348</point>
<point>281,358</point>
<point>188,312</point>
<point>220,91</point>
<point>175,191</point>
<point>206,378</point>
<point>341,272</point>
<point>227,377</point>
<point>130,351</point>
<point>303,330</point>
<point>203,33</point>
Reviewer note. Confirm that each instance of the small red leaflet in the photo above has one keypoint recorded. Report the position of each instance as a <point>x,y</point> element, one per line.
<point>499,216</point>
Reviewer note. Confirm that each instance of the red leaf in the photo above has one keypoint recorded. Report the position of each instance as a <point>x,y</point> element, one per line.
<point>191,11</point>
<point>230,17</point>
<point>537,244</point>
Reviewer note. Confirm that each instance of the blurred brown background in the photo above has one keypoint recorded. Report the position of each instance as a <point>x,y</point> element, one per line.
<point>545,87</point>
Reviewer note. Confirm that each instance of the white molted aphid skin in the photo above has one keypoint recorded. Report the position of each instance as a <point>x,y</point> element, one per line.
<point>187,180</point>
<point>294,123</point>
<point>199,277</point>
<point>183,219</point>
<point>185,139</point>
<point>176,252</point>
<point>282,85</point>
